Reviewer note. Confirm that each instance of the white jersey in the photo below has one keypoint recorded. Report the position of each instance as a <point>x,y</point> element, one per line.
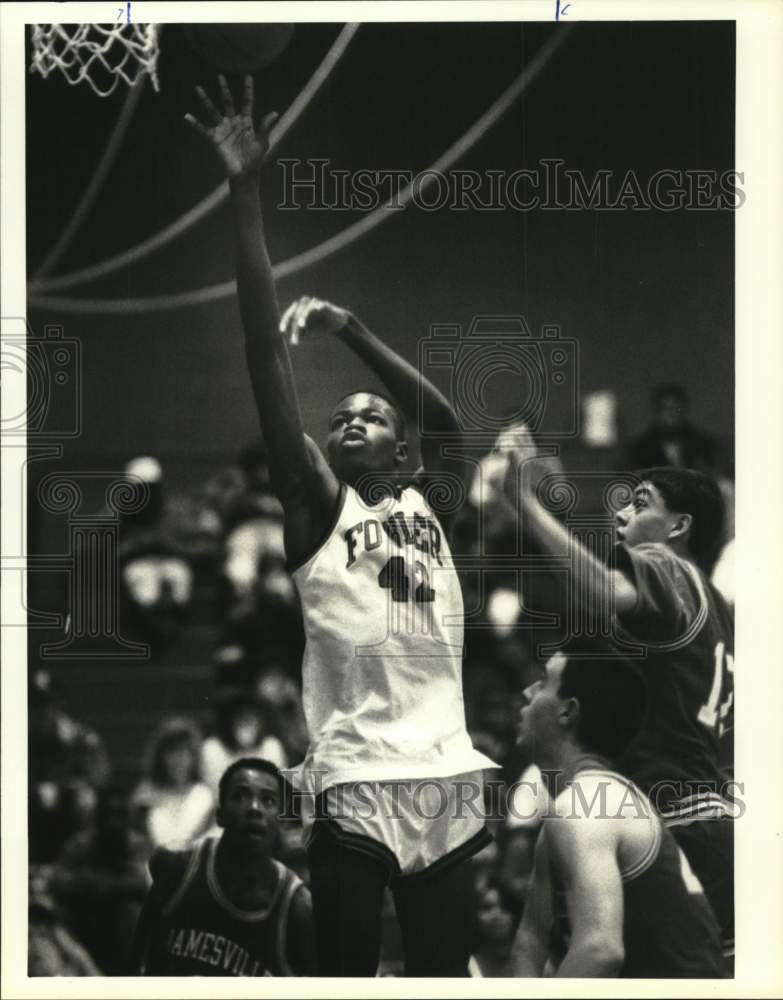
<point>382,670</point>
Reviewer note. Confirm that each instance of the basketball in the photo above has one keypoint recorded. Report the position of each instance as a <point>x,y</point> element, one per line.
<point>238,48</point>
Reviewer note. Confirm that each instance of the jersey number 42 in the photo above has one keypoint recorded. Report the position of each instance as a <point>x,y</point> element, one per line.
<point>395,577</point>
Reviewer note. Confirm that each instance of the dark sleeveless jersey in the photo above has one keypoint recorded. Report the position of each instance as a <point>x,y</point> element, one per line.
<point>201,933</point>
<point>683,757</point>
<point>669,929</point>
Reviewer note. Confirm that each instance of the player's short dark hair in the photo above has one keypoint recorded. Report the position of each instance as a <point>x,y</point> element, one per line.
<point>686,491</point>
<point>249,764</point>
<point>612,698</point>
<point>399,420</point>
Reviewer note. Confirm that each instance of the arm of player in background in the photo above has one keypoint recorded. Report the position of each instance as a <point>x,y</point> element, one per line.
<point>408,388</point>
<point>139,949</point>
<point>530,949</point>
<point>406,385</point>
<point>164,872</point>
<point>300,948</point>
<point>308,493</point>
<point>592,583</point>
<point>583,852</point>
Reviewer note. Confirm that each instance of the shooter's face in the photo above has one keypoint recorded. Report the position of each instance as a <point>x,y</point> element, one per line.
<point>363,437</point>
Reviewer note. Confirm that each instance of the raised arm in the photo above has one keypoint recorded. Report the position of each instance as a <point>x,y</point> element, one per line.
<point>308,491</point>
<point>592,583</point>
<point>404,382</point>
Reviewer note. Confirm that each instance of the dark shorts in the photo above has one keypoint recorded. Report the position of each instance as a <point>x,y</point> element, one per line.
<point>708,844</point>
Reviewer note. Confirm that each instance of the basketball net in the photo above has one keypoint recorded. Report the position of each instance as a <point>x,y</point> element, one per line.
<point>99,54</point>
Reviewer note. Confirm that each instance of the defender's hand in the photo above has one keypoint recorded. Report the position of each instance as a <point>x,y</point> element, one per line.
<point>308,316</point>
<point>516,443</point>
<point>239,145</point>
<point>522,467</point>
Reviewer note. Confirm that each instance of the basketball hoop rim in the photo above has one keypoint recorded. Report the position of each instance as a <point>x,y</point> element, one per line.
<point>97,53</point>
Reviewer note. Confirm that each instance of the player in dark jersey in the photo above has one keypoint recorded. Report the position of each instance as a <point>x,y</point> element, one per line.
<point>684,757</point>
<point>226,907</point>
<point>612,893</point>
<point>669,614</point>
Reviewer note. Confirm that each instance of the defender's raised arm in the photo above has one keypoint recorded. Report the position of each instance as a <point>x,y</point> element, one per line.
<point>594,584</point>
<point>405,383</point>
<point>307,490</point>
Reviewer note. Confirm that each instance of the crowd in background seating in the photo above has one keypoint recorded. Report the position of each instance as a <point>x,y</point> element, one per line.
<point>90,839</point>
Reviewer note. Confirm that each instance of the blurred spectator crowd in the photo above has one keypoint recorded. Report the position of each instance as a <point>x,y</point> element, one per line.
<point>90,838</point>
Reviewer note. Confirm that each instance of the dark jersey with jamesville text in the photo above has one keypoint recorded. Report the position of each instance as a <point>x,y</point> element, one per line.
<point>201,933</point>
<point>683,757</point>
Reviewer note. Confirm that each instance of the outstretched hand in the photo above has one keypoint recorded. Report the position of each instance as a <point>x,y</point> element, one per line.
<point>309,316</point>
<point>241,147</point>
<point>522,467</point>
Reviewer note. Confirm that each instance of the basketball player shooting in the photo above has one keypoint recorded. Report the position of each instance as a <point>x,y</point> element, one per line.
<point>395,779</point>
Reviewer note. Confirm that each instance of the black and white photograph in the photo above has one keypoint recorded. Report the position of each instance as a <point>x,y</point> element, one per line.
<point>380,383</point>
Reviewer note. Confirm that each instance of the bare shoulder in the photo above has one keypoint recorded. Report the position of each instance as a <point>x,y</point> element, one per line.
<point>301,904</point>
<point>313,451</point>
<point>323,484</point>
<point>301,933</point>
<point>589,810</point>
<point>312,507</point>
